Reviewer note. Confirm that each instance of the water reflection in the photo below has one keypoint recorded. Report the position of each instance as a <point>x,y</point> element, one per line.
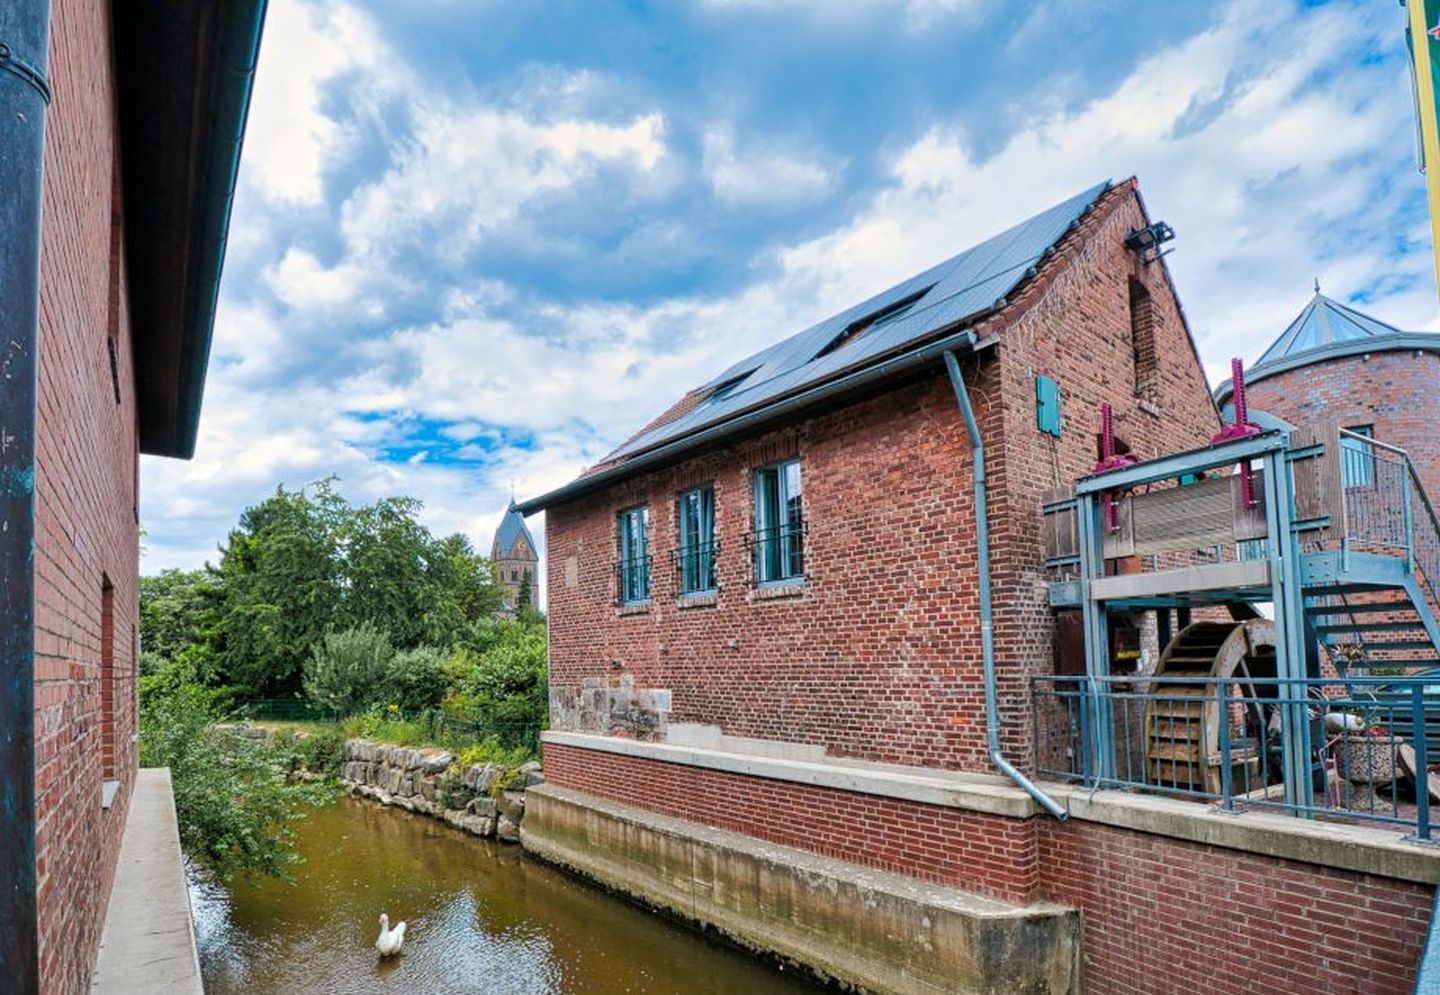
<point>482,918</point>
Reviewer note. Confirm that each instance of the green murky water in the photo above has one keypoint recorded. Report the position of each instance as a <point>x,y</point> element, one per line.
<point>482,918</point>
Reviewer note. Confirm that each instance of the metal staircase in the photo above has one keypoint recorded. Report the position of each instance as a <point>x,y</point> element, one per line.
<point>1371,605</point>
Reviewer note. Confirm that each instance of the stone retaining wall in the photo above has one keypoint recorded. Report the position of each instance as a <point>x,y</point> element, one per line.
<point>486,800</point>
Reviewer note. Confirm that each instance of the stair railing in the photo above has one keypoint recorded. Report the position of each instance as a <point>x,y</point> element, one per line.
<point>1385,504</point>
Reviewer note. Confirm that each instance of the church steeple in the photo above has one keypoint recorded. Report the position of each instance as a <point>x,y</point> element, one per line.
<point>514,555</point>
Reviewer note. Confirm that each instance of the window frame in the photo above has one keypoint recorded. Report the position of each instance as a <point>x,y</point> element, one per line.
<point>695,555</point>
<point>1357,460</point>
<point>779,559</point>
<point>633,565</point>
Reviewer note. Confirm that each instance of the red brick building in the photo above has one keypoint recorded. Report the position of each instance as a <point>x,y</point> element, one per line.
<point>120,129</point>
<point>772,701</point>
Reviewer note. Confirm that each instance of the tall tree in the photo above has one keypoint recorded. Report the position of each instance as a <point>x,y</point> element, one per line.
<point>282,572</point>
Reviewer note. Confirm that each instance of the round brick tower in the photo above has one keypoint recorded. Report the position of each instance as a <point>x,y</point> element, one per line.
<point>1334,363</point>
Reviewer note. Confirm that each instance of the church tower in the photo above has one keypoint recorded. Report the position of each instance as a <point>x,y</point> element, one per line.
<point>515,558</point>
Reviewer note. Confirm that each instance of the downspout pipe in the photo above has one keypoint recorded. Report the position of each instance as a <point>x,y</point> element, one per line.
<point>987,618</point>
<point>24,95</point>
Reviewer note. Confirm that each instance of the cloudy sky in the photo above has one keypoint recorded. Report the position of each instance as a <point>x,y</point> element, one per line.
<point>482,242</point>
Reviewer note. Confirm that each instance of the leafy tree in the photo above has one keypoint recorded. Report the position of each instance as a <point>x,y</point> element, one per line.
<point>179,611</point>
<point>386,553</point>
<point>508,680</point>
<point>235,805</point>
<point>282,574</point>
<point>523,597</point>
<point>303,562</point>
<point>351,670</point>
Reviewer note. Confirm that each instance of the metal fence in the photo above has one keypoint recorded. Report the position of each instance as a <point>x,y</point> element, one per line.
<point>284,710</point>
<point>1218,740</point>
<point>433,725</point>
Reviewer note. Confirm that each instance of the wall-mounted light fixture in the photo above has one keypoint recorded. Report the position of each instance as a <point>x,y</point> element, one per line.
<point>1145,242</point>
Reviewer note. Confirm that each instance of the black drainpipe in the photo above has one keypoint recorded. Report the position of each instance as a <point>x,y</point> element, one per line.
<point>24,95</point>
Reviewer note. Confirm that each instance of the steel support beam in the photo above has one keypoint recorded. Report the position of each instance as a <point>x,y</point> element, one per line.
<point>1168,467</point>
<point>1288,598</point>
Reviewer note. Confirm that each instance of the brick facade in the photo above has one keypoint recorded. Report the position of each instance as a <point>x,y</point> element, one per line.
<point>87,532</point>
<point>1159,915</point>
<point>1163,915</point>
<point>877,654</point>
<point>1398,392</point>
<point>983,853</point>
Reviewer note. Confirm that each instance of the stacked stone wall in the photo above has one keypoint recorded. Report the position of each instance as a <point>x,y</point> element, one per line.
<point>486,800</point>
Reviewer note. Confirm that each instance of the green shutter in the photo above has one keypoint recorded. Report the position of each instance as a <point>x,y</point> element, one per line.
<point>1047,405</point>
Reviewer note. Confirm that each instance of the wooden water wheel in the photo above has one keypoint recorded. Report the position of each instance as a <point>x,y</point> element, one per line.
<point>1182,721</point>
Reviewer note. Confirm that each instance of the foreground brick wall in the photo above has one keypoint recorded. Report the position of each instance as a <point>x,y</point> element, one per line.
<point>1162,915</point>
<point>983,853</point>
<point>86,531</point>
<point>1397,392</point>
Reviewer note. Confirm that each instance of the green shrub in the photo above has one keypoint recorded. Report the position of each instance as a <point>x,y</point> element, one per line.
<point>418,681</point>
<point>234,800</point>
<point>351,670</point>
<point>322,751</point>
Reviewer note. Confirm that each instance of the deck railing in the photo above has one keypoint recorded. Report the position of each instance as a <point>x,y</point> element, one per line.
<point>1217,740</point>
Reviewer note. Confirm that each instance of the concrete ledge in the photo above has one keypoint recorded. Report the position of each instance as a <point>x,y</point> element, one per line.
<point>1330,844</point>
<point>951,789</point>
<point>149,940</point>
<point>859,926</point>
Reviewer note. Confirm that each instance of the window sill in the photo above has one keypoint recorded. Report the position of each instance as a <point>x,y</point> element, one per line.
<point>793,588</point>
<point>108,790</point>
<point>634,608</point>
<point>698,599</point>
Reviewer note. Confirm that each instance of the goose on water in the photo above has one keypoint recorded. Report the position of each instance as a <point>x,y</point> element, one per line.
<point>391,940</point>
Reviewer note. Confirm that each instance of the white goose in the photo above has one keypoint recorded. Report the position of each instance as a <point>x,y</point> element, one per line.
<point>391,940</point>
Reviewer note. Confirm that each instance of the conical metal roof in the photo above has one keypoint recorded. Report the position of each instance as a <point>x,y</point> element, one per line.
<point>1326,329</point>
<point>1322,323</point>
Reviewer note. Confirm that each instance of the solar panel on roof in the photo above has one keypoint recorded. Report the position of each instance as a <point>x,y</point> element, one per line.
<point>959,288</point>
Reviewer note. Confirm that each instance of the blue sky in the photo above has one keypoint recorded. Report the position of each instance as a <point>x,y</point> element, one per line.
<point>482,242</point>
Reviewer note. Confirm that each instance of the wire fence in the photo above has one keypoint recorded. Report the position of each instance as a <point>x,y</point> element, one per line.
<point>432,725</point>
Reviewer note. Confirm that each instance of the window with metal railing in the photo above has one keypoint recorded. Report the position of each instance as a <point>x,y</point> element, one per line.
<point>778,540</point>
<point>633,567</point>
<point>695,525</point>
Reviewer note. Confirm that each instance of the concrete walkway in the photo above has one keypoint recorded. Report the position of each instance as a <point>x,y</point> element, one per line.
<point>149,939</point>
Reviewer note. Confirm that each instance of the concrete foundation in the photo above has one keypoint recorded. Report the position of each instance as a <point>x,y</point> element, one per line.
<point>866,929</point>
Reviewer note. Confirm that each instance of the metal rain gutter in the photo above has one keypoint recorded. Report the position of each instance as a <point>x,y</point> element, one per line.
<point>904,362</point>
<point>238,58</point>
<point>987,626</point>
<point>24,94</point>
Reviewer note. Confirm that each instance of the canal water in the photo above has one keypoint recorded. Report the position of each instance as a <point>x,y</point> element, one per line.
<point>482,918</point>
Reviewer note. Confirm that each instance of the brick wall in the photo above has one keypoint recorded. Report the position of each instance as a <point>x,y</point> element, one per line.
<point>877,655</point>
<point>1397,392</point>
<point>1162,915</point>
<point>976,851</point>
<point>86,530</point>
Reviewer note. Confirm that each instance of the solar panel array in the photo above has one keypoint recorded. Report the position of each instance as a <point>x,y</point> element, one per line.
<point>959,288</point>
